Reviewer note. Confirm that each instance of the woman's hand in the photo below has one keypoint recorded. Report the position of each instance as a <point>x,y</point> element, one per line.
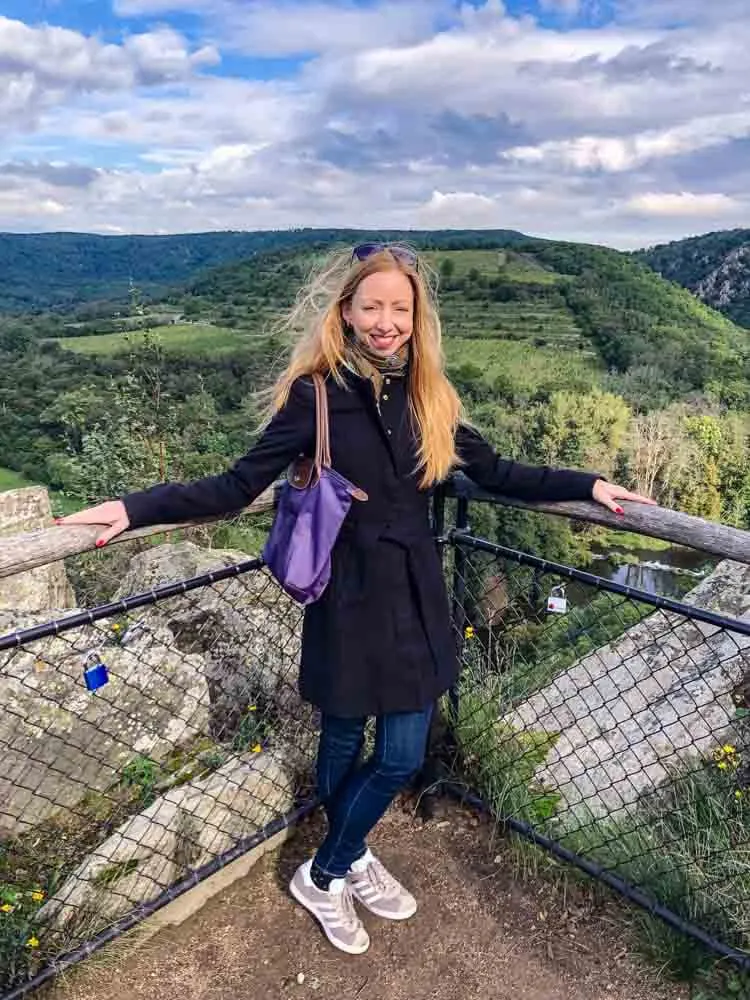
<point>608,494</point>
<point>112,513</point>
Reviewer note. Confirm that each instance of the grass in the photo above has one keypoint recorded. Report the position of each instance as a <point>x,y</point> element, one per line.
<point>180,338</point>
<point>520,364</point>
<point>11,480</point>
<point>685,844</point>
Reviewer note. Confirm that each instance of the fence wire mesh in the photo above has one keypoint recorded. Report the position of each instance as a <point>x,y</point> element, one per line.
<point>142,742</point>
<point>148,741</point>
<point>613,723</point>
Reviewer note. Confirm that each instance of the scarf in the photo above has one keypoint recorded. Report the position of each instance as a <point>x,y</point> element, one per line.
<point>375,367</point>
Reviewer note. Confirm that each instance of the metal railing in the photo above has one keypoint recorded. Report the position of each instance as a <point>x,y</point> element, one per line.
<point>148,742</point>
<point>145,744</point>
<point>610,727</point>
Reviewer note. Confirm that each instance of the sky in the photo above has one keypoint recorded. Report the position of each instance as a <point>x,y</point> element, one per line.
<point>620,122</point>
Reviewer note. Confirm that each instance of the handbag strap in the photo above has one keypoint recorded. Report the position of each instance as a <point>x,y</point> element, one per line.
<point>322,428</point>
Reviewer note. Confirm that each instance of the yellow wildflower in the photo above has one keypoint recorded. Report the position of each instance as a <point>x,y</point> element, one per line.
<point>252,708</point>
<point>738,794</point>
<point>7,908</point>
<point>722,765</point>
<point>257,748</point>
<point>469,632</point>
<point>37,896</point>
<point>729,749</point>
<point>33,942</point>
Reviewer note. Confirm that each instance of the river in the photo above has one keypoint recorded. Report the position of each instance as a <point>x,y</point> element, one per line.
<point>667,572</point>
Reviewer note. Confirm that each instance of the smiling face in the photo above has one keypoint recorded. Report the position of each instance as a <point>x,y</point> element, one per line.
<point>381,311</point>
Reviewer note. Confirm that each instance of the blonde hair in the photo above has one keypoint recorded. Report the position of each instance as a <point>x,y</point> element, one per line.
<point>317,327</point>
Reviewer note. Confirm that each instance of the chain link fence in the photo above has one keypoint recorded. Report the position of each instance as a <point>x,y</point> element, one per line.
<point>151,740</point>
<point>144,744</point>
<point>612,728</point>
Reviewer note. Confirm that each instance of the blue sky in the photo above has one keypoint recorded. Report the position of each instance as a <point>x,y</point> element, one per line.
<point>624,122</point>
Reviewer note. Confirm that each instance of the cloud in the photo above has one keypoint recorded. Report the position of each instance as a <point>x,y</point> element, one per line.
<point>684,204</point>
<point>63,175</point>
<point>656,61</point>
<point>44,66</point>
<point>622,154</point>
<point>410,114</point>
<point>300,27</point>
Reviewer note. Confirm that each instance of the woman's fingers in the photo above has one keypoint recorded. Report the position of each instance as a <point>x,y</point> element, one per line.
<point>608,494</point>
<point>635,497</point>
<point>111,514</point>
<point>115,529</point>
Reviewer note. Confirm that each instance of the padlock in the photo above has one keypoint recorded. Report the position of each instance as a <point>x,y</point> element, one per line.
<point>96,675</point>
<point>557,602</point>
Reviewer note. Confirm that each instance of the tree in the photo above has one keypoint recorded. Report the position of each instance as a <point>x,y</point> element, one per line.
<point>583,430</point>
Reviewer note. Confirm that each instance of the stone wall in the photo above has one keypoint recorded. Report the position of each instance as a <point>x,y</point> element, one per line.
<point>46,587</point>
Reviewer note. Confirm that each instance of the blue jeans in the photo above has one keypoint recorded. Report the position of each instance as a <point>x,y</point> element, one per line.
<point>355,795</point>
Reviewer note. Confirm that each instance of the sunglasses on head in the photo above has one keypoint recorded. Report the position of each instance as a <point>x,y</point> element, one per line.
<point>364,250</point>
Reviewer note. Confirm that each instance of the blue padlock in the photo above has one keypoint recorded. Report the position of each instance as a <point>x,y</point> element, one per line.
<point>95,676</point>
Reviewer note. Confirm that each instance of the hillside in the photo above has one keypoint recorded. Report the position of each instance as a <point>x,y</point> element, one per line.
<point>575,303</point>
<point>716,267</point>
<point>61,271</point>
<point>563,353</point>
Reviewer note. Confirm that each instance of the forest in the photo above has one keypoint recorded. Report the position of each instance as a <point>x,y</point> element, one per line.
<point>563,353</point>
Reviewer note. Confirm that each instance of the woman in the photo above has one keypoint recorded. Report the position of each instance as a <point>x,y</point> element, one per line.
<point>378,642</point>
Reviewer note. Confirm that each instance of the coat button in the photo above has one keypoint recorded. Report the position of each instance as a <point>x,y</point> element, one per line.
<point>385,395</point>
<point>389,430</point>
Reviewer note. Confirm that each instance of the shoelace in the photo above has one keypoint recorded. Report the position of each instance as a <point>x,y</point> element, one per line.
<point>380,877</point>
<point>346,909</point>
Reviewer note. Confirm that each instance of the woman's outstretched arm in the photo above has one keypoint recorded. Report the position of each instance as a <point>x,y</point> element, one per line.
<point>290,433</point>
<point>534,482</point>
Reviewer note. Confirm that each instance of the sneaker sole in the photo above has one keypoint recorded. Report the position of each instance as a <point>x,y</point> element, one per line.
<point>348,948</point>
<point>381,913</point>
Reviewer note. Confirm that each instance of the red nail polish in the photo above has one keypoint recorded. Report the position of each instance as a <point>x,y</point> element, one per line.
<point>619,510</point>
<point>100,542</point>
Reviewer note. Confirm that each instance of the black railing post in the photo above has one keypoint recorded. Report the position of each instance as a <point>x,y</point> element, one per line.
<point>459,592</point>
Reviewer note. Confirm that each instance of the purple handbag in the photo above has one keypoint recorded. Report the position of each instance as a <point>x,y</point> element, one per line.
<point>313,503</point>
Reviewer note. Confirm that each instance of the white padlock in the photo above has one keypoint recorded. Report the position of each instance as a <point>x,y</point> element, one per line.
<point>557,602</point>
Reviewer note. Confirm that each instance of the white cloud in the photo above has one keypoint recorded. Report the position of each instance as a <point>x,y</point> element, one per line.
<point>626,134</point>
<point>683,204</point>
<point>588,152</point>
<point>43,66</point>
<point>298,27</point>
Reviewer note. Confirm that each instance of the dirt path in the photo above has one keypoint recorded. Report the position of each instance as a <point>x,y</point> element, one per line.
<point>479,933</point>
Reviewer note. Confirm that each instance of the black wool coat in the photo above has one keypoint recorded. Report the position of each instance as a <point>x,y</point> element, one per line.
<point>380,638</point>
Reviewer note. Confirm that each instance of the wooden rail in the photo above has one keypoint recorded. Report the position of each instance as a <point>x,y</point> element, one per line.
<point>26,551</point>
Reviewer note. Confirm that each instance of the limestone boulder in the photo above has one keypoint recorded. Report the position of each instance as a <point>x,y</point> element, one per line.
<point>47,586</point>
<point>181,831</point>
<point>59,740</point>
<point>630,711</point>
<point>246,628</point>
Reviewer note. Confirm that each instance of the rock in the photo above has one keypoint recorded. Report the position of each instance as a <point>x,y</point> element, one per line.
<point>183,830</point>
<point>247,629</point>
<point>630,711</point>
<point>47,586</point>
<point>61,741</point>
<point>184,669</point>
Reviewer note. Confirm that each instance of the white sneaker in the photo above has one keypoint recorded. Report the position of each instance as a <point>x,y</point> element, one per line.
<point>333,909</point>
<point>375,887</point>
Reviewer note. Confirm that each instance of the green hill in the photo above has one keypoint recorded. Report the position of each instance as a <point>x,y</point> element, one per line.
<point>62,271</point>
<point>716,267</point>
<point>557,349</point>
<point>584,308</point>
